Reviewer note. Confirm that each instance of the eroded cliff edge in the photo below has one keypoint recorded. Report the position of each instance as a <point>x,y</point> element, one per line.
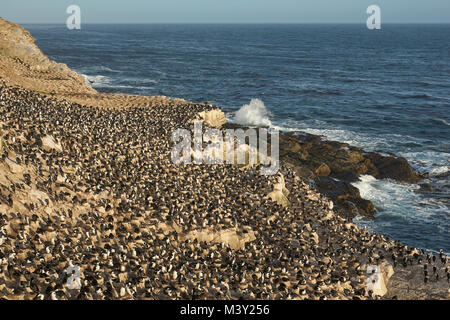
<point>23,64</point>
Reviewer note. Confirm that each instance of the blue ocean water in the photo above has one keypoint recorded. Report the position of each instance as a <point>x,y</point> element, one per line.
<point>383,90</point>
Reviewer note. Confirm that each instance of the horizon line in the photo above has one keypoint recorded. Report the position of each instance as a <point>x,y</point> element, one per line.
<point>219,23</point>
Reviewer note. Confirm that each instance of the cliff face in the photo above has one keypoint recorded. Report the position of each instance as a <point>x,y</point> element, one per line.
<point>22,63</point>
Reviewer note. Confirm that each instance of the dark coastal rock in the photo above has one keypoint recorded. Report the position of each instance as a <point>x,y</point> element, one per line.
<point>336,159</point>
<point>336,189</point>
<point>333,166</point>
<point>396,168</point>
<point>346,196</point>
<point>426,187</point>
<point>344,161</point>
<point>365,207</point>
<point>348,175</point>
<point>354,206</point>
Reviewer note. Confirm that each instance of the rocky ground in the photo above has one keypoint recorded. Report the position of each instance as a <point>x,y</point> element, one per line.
<point>91,185</point>
<point>333,166</point>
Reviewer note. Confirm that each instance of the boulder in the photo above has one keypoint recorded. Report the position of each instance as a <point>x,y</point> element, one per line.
<point>395,168</point>
<point>347,175</point>
<point>345,196</point>
<point>215,117</point>
<point>323,170</point>
<point>426,187</point>
<point>280,193</point>
<point>336,189</point>
<point>365,207</point>
<point>378,278</point>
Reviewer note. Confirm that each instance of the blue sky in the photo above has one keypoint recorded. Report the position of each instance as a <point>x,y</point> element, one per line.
<point>226,11</point>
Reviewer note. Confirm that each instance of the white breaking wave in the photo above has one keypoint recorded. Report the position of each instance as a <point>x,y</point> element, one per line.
<point>398,203</point>
<point>138,80</point>
<point>440,170</point>
<point>384,193</point>
<point>253,114</point>
<point>434,162</point>
<point>103,68</point>
<point>96,69</point>
<point>397,199</point>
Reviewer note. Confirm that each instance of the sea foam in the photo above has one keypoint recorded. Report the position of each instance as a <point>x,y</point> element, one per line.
<point>253,114</point>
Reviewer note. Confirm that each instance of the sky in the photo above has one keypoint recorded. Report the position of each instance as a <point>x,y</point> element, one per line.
<point>226,11</point>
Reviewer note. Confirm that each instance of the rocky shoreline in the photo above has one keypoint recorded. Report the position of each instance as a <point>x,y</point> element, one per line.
<point>86,181</point>
<point>331,167</point>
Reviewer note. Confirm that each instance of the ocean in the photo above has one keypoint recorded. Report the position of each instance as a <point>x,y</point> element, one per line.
<point>386,90</point>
